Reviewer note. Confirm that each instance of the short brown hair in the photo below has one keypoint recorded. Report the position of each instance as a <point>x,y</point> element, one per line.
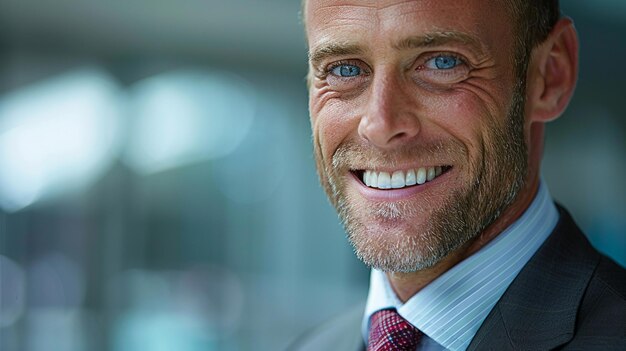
<point>534,19</point>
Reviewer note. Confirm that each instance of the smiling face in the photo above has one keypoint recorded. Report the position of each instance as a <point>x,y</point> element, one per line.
<point>418,123</point>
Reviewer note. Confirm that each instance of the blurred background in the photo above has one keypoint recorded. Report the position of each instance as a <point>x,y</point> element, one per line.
<point>157,185</point>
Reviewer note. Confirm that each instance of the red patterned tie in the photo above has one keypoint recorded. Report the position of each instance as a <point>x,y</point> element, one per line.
<point>389,331</point>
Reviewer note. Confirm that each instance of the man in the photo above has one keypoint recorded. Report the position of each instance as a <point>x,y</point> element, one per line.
<point>428,124</point>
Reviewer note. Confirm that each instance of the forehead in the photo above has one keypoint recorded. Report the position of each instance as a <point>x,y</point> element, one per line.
<point>374,22</point>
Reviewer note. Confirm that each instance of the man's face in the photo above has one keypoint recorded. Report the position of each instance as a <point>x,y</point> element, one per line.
<point>417,122</point>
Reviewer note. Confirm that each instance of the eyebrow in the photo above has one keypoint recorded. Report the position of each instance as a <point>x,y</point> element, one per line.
<point>440,38</point>
<point>332,49</point>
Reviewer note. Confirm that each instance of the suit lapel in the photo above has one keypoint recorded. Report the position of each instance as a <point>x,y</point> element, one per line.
<point>538,310</point>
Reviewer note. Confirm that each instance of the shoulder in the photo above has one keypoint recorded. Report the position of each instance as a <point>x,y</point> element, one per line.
<point>601,320</point>
<point>601,316</point>
<point>610,278</point>
<point>342,332</point>
<point>568,296</point>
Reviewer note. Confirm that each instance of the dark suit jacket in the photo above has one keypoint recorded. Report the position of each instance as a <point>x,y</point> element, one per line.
<point>568,296</point>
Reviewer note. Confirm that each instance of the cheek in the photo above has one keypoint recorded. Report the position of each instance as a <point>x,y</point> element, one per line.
<point>466,115</point>
<point>332,120</point>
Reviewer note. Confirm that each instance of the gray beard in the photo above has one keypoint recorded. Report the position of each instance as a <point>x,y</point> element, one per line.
<point>497,180</point>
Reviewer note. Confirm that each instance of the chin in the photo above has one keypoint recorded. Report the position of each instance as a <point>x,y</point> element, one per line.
<point>394,237</point>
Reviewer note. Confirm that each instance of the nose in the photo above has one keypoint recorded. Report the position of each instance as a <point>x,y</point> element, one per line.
<point>390,119</point>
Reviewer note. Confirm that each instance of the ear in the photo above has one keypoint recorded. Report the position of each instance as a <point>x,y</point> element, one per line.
<point>552,73</point>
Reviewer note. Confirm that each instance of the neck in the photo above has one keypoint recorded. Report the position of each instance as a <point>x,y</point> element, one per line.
<point>405,285</point>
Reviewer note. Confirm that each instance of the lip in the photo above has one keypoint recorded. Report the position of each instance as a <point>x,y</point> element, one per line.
<point>388,195</point>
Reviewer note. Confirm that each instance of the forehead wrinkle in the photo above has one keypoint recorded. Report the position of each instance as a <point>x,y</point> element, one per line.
<point>347,12</point>
<point>439,38</point>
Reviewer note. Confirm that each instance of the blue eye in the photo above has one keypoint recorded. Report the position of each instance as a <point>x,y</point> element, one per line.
<point>346,71</point>
<point>443,62</point>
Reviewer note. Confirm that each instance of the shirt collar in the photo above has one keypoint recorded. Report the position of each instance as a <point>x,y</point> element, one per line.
<point>452,307</point>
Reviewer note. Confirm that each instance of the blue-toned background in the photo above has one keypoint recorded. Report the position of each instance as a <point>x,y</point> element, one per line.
<point>157,186</point>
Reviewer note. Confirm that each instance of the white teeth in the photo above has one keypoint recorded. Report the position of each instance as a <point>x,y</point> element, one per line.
<point>421,175</point>
<point>374,179</point>
<point>410,178</point>
<point>430,174</point>
<point>384,180</point>
<point>398,179</point>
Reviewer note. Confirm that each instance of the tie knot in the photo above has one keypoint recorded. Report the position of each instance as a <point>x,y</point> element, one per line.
<point>389,331</point>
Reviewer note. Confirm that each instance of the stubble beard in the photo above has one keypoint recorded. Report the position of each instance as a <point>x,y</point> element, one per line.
<point>493,185</point>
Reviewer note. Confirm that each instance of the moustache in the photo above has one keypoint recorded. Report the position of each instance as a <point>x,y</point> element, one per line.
<point>352,155</point>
